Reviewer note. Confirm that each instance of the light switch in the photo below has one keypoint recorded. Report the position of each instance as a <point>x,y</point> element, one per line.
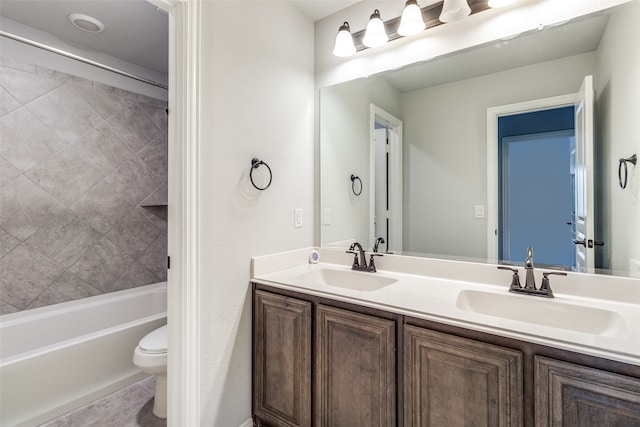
<point>479,211</point>
<point>297,218</point>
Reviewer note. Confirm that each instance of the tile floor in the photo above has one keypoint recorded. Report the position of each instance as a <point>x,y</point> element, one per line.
<point>129,407</point>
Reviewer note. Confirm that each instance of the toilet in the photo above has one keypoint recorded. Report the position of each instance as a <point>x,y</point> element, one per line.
<point>150,356</point>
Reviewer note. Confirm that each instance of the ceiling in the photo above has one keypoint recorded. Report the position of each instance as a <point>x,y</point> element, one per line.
<point>318,9</point>
<point>136,31</point>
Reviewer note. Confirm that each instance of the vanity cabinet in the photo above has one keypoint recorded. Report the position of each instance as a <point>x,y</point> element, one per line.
<point>327,363</point>
<point>354,355</point>
<point>456,381</point>
<point>355,369</point>
<point>282,360</point>
<point>573,395</point>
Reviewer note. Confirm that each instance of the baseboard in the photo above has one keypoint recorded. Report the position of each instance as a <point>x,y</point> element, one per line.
<point>248,423</point>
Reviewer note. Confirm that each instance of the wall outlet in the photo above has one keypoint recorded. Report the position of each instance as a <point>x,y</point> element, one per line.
<point>297,218</point>
<point>327,216</point>
<point>479,211</point>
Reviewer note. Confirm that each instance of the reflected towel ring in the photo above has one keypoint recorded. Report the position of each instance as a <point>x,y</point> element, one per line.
<point>353,185</point>
<point>255,164</point>
<point>633,160</point>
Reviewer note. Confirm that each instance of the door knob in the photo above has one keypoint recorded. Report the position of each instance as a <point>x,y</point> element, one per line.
<point>581,242</point>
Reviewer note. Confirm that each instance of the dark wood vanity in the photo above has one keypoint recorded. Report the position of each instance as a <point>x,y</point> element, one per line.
<point>322,362</point>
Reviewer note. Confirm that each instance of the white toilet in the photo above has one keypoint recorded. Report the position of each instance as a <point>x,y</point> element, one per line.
<point>150,356</point>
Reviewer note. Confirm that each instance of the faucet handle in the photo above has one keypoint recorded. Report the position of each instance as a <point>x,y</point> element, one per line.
<point>545,287</point>
<point>515,279</point>
<point>355,257</point>
<point>372,265</point>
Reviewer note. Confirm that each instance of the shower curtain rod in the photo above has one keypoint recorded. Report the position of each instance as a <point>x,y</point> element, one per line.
<point>81,59</point>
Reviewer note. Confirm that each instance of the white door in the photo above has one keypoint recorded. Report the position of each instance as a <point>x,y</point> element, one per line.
<point>386,176</point>
<point>381,213</point>
<point>394,244</point>
<point>583,219</point>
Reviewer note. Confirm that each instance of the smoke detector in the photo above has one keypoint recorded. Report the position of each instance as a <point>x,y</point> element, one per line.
<point>86,23</point>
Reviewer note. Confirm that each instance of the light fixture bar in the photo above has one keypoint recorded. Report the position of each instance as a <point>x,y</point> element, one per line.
<point>430,14</point>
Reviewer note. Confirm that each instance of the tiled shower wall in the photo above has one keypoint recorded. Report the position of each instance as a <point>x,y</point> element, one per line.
<point>78,161</point>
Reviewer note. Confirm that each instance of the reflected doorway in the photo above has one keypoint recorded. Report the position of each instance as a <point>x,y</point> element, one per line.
<point>536,186</point>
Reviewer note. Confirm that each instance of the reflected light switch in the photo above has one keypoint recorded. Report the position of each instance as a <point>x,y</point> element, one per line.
<point>327,216</point>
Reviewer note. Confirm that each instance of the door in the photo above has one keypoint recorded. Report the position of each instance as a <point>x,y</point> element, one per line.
<point>355,370</point>
<point>454,381</point>
<point>583,210</point>
<point>574,395</point>
<point>537,196</point>
<point>282,360</point>
<point>386,176</point>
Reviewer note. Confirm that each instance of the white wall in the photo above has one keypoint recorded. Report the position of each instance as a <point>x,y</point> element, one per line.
<point>617,106</point>
<point>345,150</point>
<point>445,156</point>
<point>257,100</point>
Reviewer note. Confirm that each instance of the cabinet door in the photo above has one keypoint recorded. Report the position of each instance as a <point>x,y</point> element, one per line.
<point>355,370</point>
<point>574,395</point>
<point>452,381</point>
<point>282,360</point>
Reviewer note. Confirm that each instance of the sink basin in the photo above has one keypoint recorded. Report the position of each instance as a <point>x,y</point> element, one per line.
<point>543,312</point>
<point>355,280</point>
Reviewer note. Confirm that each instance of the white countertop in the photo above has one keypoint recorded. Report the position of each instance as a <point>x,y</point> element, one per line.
<point>434,294</point>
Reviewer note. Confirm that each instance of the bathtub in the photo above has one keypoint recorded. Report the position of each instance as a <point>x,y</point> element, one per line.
<point>57,358</point>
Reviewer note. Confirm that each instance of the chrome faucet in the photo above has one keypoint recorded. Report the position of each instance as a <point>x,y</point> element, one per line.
<point>377,243</point>
<point>360,260</point>
<point>530,281</point>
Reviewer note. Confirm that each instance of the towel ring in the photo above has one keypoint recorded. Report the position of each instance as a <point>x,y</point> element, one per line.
<point>633,160</point>
<point>353,185</point>
<point>255,164</point>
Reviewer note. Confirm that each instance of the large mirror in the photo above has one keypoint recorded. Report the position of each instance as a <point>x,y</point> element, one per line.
<point>478,154</point>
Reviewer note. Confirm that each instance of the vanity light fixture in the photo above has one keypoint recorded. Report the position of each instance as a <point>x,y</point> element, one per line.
<point>344,42</point>
<point>411,22</point>
<point>375,34</point>
<point>414,20</point>
<point>454,10</point>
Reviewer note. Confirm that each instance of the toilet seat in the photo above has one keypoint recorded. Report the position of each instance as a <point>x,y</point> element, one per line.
<point>155,342</point>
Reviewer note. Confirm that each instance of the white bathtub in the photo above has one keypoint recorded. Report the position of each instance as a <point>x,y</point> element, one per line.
<point>57,358</point>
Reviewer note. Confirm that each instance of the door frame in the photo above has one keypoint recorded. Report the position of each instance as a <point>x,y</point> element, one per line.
<point>377,114</point>
<point>493,114</point>
<point>183,282</point>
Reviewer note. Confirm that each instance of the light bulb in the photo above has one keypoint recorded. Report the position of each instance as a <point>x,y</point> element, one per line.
<point>411,22</point>
<point>454,10</point>
<point>344,42</point>
<point>375,34</point>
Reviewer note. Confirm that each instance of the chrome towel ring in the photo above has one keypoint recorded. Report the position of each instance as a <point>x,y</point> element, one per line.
<point>353,185</point>
<point>255,164</point>
<point>633,160</point>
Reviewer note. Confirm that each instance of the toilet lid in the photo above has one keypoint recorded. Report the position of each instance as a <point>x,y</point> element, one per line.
<point>155,341</point>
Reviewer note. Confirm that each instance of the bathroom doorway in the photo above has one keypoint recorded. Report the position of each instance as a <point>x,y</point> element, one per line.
<point>537,186</point>
<point>565,113</point>
<point>386,176</point>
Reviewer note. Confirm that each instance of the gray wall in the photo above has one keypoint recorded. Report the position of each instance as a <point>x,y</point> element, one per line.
<point>617,106</point>
<point>345,150</point>
<point>445,151</point>
<point>77,161</point>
